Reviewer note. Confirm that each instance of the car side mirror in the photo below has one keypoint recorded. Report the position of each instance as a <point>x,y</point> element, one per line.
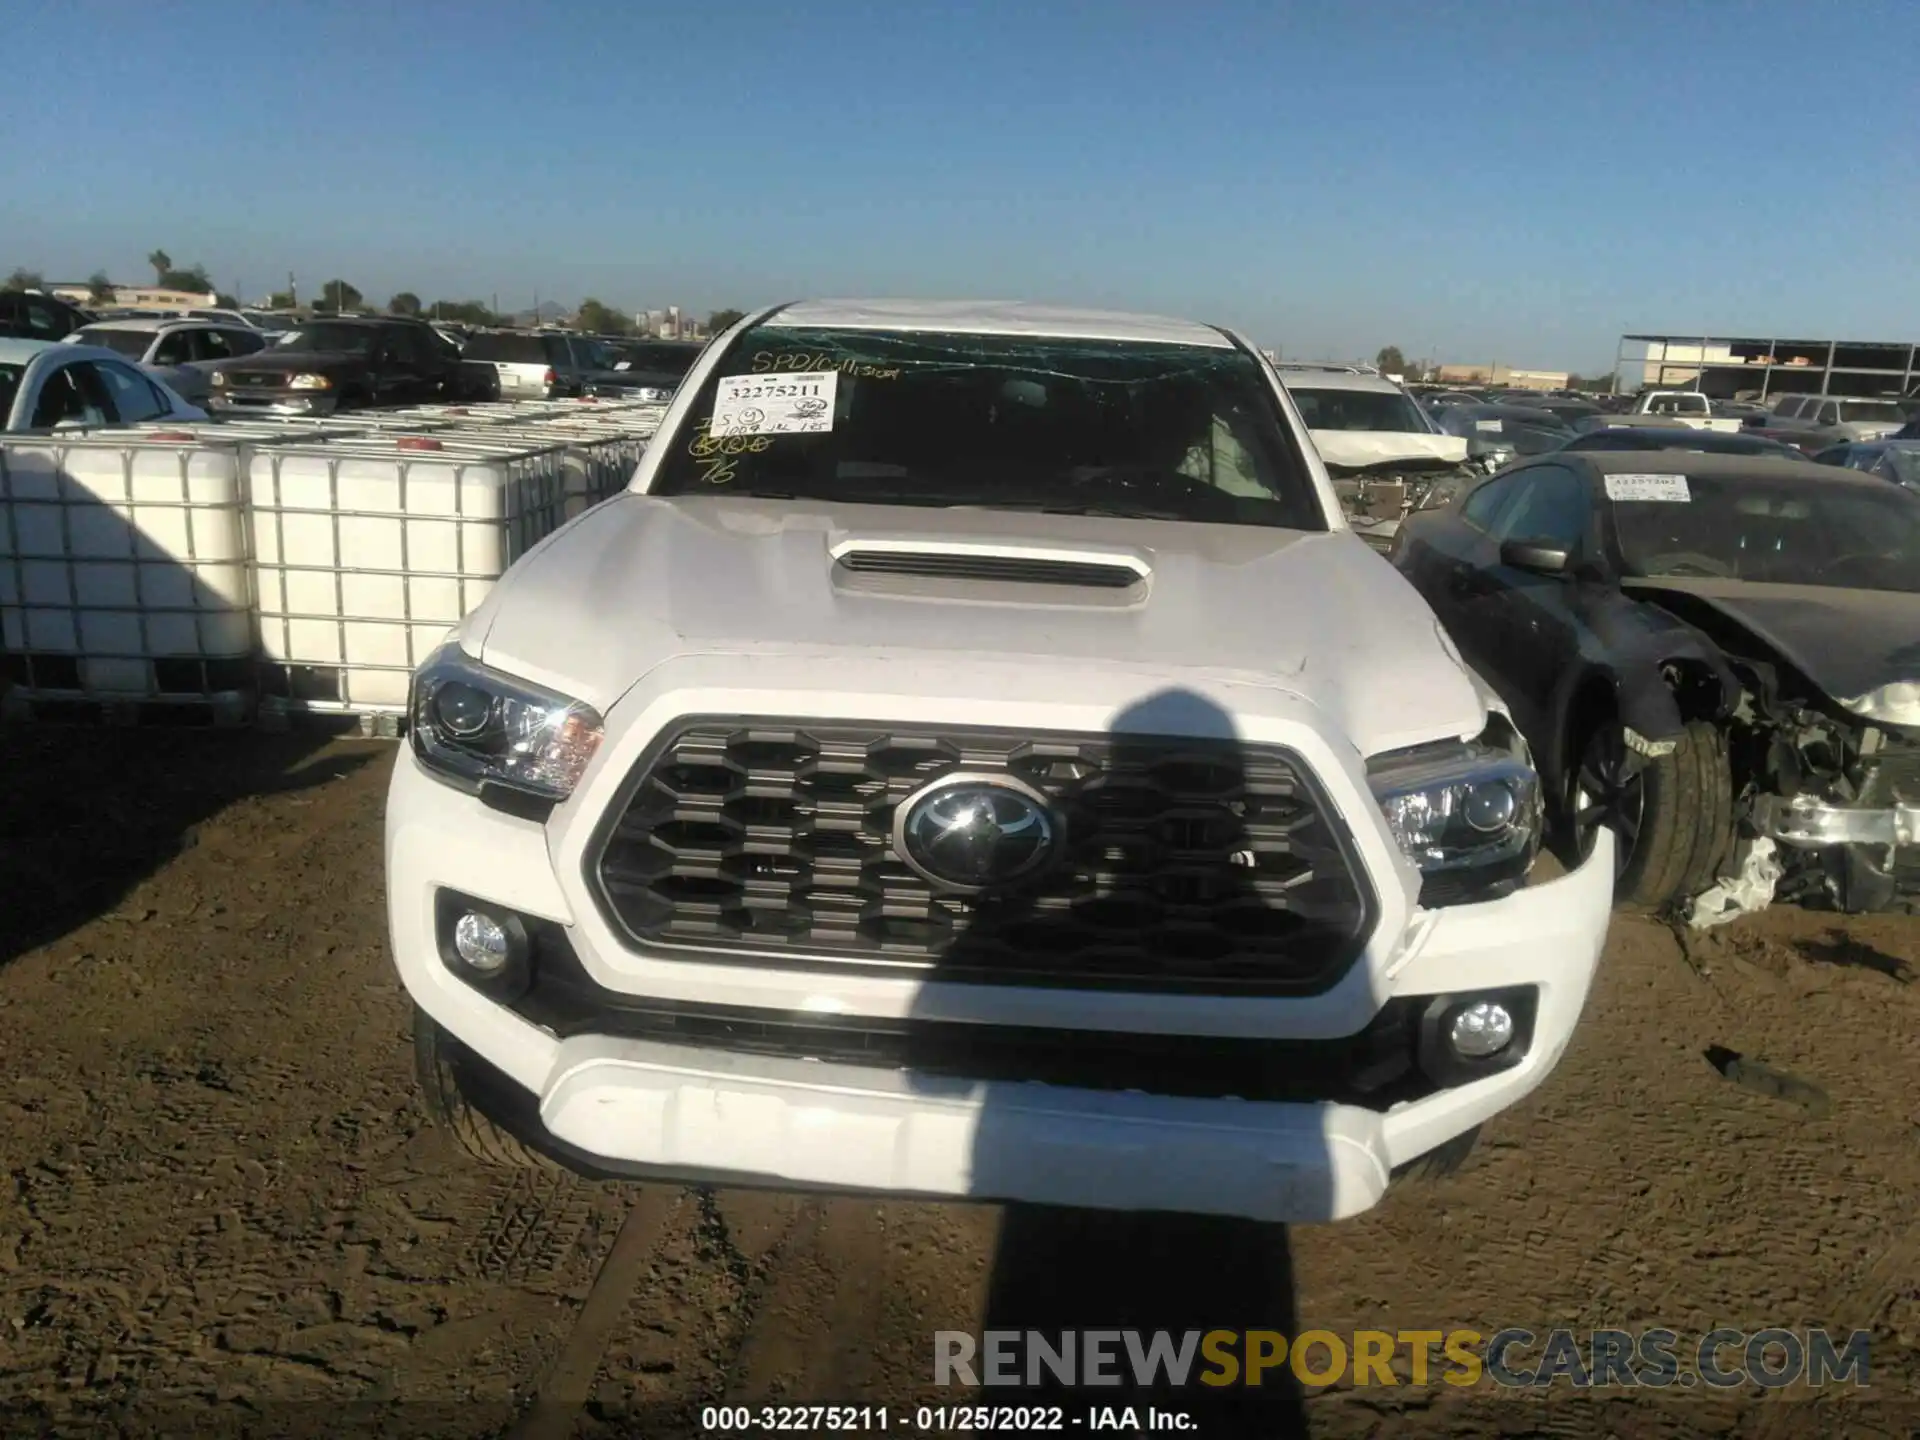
<point>1542,557</point>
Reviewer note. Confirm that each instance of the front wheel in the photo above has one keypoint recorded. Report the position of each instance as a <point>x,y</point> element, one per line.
<point>1670,814</point>
<point>438,1066</point>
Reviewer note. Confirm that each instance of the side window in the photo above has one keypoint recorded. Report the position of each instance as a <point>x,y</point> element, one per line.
<point>1483,505</point>
<point>1553,506</point>
<point>43,321</point>
<point>244,342</point>
<point>71,395</point>
<point>1789,408</point>
<point>211,345</point>
<point>174,349</point>
<point>133,398</point>
<point>559,353</point>
<point>1829,414</point>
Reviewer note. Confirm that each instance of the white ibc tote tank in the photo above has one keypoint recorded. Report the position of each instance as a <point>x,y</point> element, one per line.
<point>367,551</point>
<point>123,567</point>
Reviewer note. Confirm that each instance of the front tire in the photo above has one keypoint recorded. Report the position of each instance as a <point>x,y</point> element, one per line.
<point>1671,816</point>
<point>438,1065</point>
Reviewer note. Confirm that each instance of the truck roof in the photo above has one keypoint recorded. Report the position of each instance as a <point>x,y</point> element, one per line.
<point>995,317</point>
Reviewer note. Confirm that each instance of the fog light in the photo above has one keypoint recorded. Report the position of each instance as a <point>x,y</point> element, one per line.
<point>1481,1029</point>
<point>481,941</point>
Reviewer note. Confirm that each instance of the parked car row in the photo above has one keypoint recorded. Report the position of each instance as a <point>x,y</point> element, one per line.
<point>258,360</point>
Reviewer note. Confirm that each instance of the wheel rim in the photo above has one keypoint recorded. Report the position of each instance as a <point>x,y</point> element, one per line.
<point>1605,794</point>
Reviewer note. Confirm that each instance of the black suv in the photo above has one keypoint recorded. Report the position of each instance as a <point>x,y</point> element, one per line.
<point>29,315</point>
<point>327,364</point>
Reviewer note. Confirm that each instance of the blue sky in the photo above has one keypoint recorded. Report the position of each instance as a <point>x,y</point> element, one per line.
<point>1476,181</point>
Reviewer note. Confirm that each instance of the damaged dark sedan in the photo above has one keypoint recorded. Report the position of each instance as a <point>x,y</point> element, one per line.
<point>1706,653</point>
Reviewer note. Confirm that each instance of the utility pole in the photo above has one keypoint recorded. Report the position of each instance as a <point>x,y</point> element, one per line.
<point>293,293</point>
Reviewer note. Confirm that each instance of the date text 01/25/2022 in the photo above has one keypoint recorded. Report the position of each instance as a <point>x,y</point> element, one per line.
<point>942,1419</point>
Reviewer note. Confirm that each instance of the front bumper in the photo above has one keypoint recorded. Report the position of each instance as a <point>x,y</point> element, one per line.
<point>273,402</point>
<point>653,1107</point>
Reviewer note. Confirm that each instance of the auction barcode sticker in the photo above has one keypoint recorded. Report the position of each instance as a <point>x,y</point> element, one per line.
<point>793,403</point>
<point>1648,487</point>
<point>1491,426</point>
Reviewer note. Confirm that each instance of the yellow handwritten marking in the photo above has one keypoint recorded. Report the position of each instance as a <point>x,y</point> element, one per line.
<point>785,363</point>
<point>704,443</point>
<point>719,470</point>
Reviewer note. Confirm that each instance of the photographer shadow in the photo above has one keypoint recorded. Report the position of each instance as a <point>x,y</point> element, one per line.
<point>1197,877</point>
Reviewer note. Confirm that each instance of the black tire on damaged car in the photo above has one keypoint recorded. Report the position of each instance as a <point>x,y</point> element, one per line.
<point>436,1062</point>
<point>1685,812</point>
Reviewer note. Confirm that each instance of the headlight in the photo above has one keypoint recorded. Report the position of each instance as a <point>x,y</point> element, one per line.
<point>219,380</point>
<point>1467,812</point>
<point>475,727</point>
<point>309,382</point>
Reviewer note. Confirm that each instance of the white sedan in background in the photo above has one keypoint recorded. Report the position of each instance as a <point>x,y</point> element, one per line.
<point>52,385</point>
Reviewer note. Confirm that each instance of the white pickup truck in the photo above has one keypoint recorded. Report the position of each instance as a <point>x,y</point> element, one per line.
<point>975,759</point>
<point>1689,407</point>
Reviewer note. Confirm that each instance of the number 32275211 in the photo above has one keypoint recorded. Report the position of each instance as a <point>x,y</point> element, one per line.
<point>774,392</point>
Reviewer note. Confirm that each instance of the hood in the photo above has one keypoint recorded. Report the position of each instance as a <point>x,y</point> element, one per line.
<point>1317,615</point>
<point>1362,449</point>
<point>288,362</point>
<point>1862,647</point>
<point>1864,429</point>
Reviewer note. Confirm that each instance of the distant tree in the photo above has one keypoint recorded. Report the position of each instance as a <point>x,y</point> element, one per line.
<point>721,319</point>
<point>280,300</point>
<point>100,289</point>
<point>463,312</point>
<point>598,319</point>
<point>161,263</point>
<point>226,301</point>
<point>339,295</point>
<point>194,278</point>
<point>23,279</point>
<point>1391,361</point>
<point>405,303</point>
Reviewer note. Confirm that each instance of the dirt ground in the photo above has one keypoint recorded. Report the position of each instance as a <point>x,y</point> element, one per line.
<point>222,1210</point>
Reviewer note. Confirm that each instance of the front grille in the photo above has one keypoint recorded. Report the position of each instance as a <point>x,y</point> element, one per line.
<point>1013,568</point>
<point>258,379</point>
<point>1185,864</point>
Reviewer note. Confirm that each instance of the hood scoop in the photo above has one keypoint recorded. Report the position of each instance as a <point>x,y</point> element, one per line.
<point>993,562</point>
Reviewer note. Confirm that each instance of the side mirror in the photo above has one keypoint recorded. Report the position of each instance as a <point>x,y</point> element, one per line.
<point>1542,557</point>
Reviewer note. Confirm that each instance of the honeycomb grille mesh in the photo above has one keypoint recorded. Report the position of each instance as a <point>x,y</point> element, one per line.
<point>1185,864</point>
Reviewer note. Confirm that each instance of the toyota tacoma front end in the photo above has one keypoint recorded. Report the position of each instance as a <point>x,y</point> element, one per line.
<point>975,760</point>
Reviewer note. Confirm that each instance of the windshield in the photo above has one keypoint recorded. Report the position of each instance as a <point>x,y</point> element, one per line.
<point>1501,428</point>
<point>1684,404</point>
<point>1172,432</point>
<point>660,359</point>
<point>1779,531</point>
<point>131,343</point>
<point>9,387</point>
<point>1376,410</point>
<point>1902,463</point>
<point>1853,410</point>
<point>352,339</point>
